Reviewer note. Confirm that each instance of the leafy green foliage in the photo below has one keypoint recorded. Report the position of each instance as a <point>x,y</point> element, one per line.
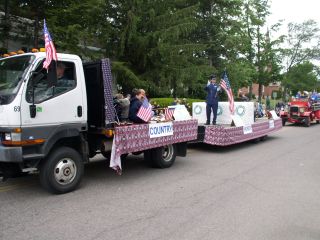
<point>170,48</point>
<point>302,77</point>
<point>303,41</point>
<point>302,46</point>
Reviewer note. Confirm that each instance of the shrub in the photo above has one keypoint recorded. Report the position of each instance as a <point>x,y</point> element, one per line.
<point>165,102</point>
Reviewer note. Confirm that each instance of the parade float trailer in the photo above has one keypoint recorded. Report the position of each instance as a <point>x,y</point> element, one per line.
<point>56,129</point>
<point>301,111</point>
<point>233,129</point>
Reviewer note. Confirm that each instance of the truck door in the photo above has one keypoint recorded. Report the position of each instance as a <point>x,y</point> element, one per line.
<point>57,105</point>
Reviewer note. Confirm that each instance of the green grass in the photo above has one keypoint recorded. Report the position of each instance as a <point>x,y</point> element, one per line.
<point>164,102</point>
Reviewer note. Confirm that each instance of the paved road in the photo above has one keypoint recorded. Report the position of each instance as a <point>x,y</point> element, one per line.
<point>269,190</point>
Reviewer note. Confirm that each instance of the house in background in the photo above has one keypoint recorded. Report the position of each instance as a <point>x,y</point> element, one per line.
<point>266,90</point>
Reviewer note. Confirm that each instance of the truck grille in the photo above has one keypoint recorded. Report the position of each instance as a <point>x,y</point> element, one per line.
<point>294,109</point>
<point>294,112</point>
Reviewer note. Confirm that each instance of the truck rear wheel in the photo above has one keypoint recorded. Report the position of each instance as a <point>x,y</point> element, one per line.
<point>263,138</point>
<point>137,153</point>
<point>62,171</point>
<point>255,140</point>
<point>162,157</point>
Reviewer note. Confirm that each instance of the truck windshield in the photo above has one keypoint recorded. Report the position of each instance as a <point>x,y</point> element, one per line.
<point>11,73</point>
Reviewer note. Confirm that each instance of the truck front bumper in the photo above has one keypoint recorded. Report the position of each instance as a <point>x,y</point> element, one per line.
<point>297,119</point>
<point>10,154</point>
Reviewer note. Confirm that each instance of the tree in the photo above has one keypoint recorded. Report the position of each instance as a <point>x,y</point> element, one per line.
<point>302,45</point>
<point>34,10</point>
<point>155,43</point>
<point>7,22</point>
<point>258,44</point>
<point>78,26</point>
<point>302,77</point>
<point>167,47</point>
<point>220,31</point>
<point>5,25</point>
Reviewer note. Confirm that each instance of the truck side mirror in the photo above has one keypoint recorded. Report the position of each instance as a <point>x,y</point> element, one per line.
<point>36,77</point>
<point>33,110</point>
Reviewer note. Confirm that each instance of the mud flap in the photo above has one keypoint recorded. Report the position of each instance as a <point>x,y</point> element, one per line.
<point>181,149</point>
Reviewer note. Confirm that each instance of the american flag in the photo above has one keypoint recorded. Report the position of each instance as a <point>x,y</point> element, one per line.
<point>225,84</point>
<point>168,113</point>
<point>50,49</point>
<point>145,111</point>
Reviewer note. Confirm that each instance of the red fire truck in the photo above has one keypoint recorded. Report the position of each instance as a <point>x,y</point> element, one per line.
<point>301,111</point>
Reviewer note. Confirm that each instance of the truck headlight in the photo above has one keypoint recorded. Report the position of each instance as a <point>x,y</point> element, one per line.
<point>12,136</point>
<point>301,110</point>
<point>14,139</point>
<point>7,137</point>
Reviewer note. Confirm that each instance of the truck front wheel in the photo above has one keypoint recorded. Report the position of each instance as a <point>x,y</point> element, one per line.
<point>284,121</point>
<point>62,171</point>
<point>162,157</point>
<point>307,122</point>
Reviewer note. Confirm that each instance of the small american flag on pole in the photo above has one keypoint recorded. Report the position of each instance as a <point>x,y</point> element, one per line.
<point>145,111</point>
<point>51,53</point>
<point>168,113</point>
<point>225,84</point>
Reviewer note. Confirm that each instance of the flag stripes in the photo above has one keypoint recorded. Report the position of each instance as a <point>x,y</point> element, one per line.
<point>51,53</point>
<point>168,113</point>
<point>145,111</point>
<point>225,84</point>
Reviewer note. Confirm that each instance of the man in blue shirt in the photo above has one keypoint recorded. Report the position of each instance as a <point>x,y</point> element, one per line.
<point>212,89</point>
<point>135,104</point>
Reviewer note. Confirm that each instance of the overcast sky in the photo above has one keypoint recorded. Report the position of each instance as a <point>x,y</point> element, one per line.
<point>293,11</point>
<point>296,11</point>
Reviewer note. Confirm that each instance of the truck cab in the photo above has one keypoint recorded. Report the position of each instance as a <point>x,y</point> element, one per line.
<point>39,114</point>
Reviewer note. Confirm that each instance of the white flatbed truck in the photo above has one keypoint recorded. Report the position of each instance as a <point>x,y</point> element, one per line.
<point>55,129</point>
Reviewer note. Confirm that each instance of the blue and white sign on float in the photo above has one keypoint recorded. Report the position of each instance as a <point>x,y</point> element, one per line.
<point>160,129</point>
<point>271,124</point>
<point>245,111</point>
<point>247,129</point>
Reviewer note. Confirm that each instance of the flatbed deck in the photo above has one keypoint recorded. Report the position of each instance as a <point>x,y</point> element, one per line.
<point>225,135</point>
<point>136,137</point>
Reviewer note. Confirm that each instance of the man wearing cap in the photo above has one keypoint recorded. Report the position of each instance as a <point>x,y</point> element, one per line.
<point>212,89</point>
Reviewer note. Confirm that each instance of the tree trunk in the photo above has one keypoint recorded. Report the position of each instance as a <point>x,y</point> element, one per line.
<point>284,95</point>
<point>259,64</point>
<point>36,31</point>
<point>174,87</point>
<point>250,91</point>
<point>260,92</point>
<point>6,25</point>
